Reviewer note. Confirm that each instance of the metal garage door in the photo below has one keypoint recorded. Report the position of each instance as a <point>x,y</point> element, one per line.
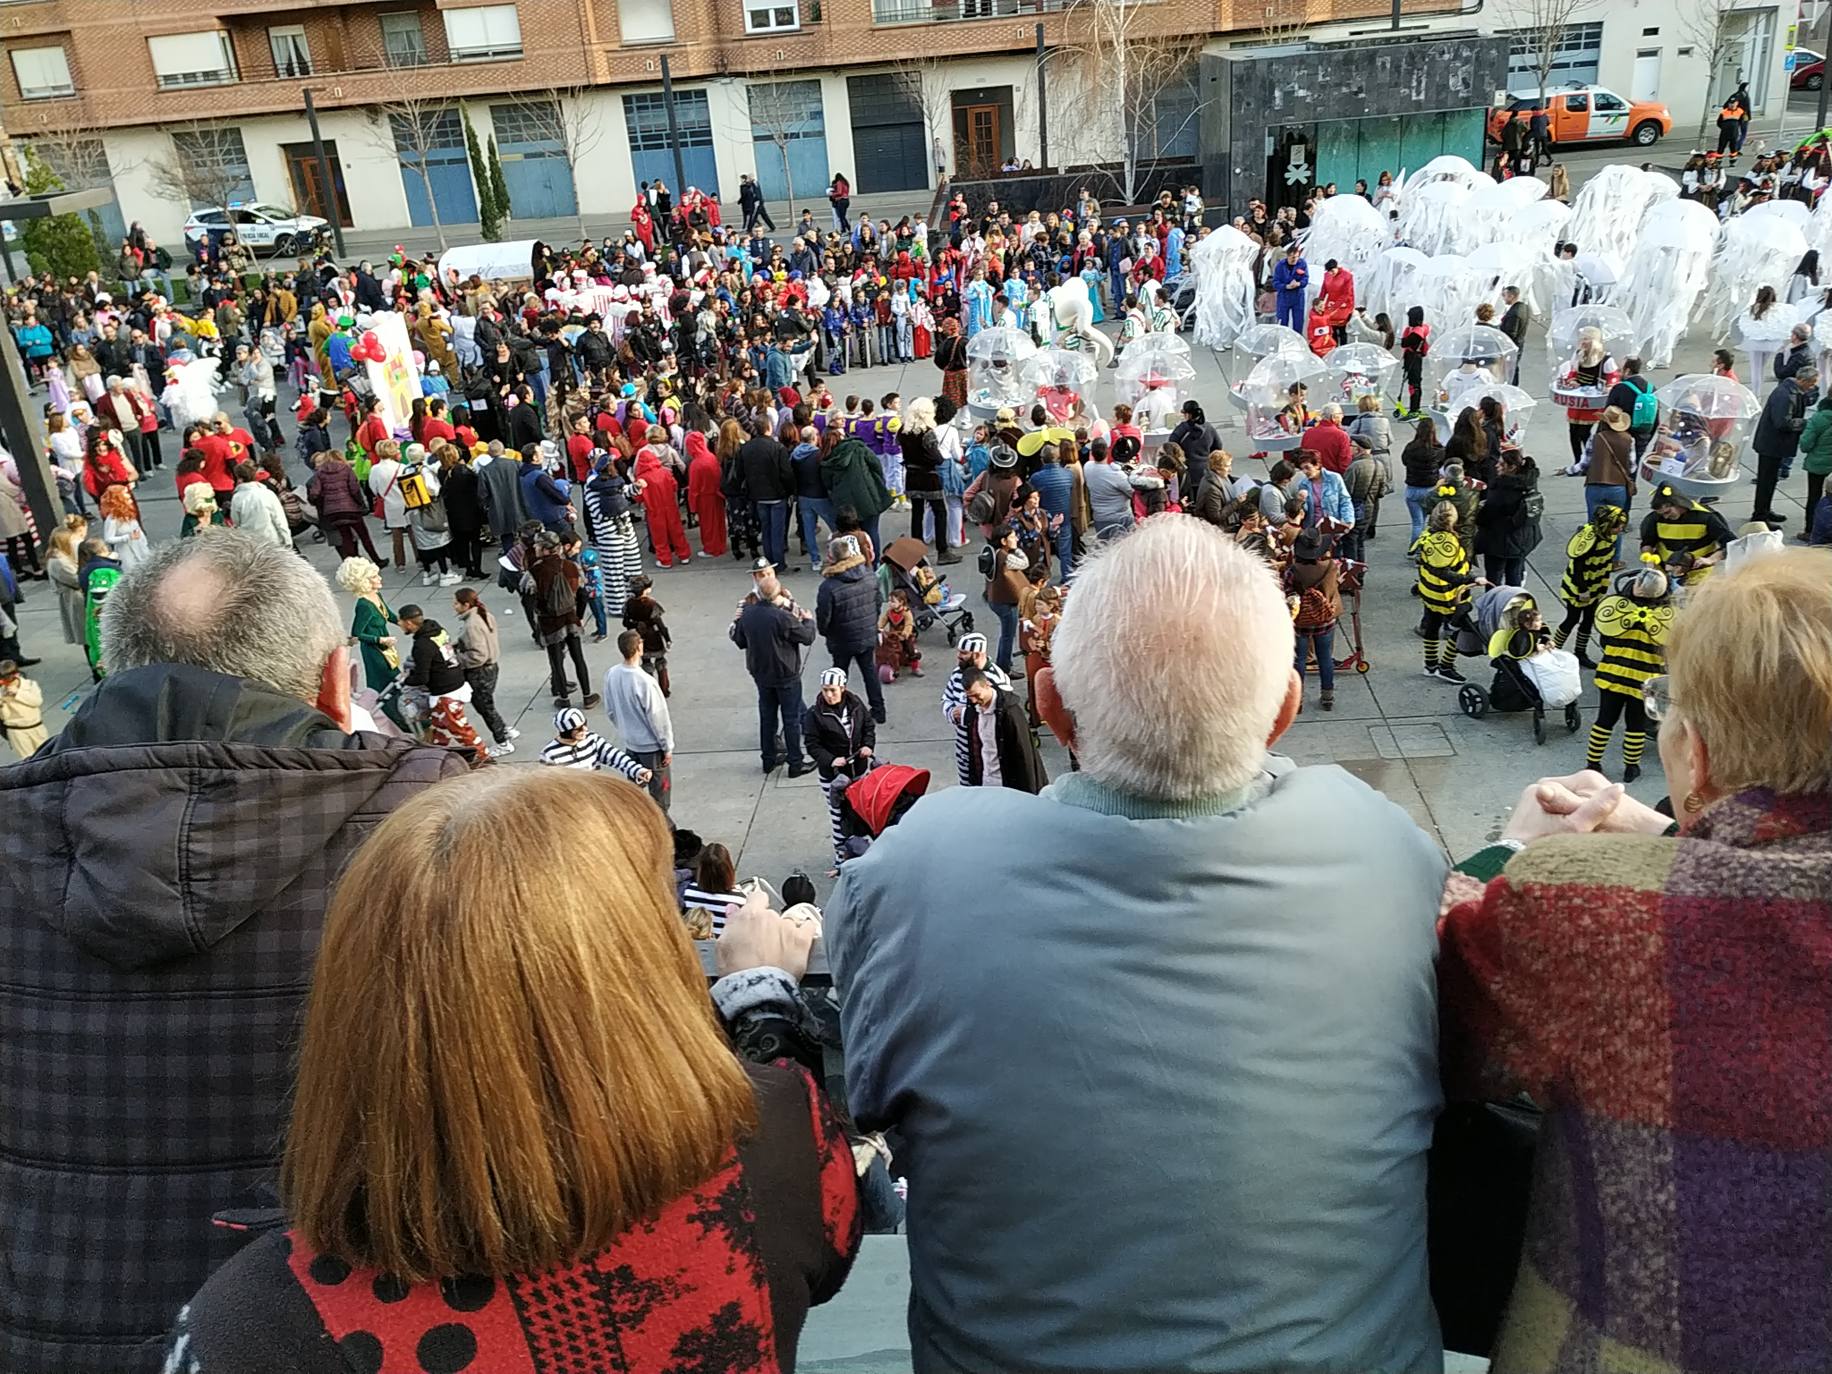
<point>646,118</point>
<point>789,132</point>
<point>888,142</point>
<point>531,141</point>
<point>447,167</point>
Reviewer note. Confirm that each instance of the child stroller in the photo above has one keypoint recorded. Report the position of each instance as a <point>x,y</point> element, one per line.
<point>1534,683</point>
<point>907,563</point>
<point>877,801</point>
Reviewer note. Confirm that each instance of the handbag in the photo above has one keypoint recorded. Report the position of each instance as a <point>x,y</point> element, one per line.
<point>376,509</point>
<point>1479,1180</point>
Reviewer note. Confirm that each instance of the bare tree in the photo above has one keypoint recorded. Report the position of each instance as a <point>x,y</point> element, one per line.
<point>411,130</point>
<point>1707,27</point>
<point>75,152</point>
<point>1135,79</point>
<point>569,118</point>
<point>1541,26</point>
<point>785,112</point>
<point>207,164</point>
<point>928,84</point>
<point>1284,21</point>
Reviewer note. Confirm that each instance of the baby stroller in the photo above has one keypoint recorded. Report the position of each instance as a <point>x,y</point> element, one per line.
<point>1539,681</point>
<point>877,801</point>
<point>906,562</point>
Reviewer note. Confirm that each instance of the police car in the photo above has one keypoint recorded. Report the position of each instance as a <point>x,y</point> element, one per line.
<point>265,229</point>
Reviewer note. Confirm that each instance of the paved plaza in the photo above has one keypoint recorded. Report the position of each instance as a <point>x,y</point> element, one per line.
<point>1394,728</point>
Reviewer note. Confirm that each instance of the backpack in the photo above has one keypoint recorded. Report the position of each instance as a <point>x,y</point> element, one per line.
<point>1532,507</point>
<point>414,493</point>
<point>1313,610</point>
<point>988,554</point>
<point>558,600</point>
<point>982,508</point>
<point>1647,408</point>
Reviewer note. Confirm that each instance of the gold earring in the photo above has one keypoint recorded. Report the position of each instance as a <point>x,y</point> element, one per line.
<point>1693,803</point>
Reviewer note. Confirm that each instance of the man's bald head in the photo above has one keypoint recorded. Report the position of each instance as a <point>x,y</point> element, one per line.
<point>229,603</point>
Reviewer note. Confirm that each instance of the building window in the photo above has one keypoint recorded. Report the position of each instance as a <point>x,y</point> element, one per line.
<point>772,18</point>
<point>485,34</point>
<point>43,73</point>
<point>1574,62</point>
<point>292,57</point>
<point>216,163</point>
<point>192,59</point>
<point>403,41</point>
<point>646,21</point>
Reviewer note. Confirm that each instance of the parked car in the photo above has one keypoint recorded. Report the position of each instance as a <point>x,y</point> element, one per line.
<point>265,229</point>
<point>1806,69</point>
<point>1589,114</point>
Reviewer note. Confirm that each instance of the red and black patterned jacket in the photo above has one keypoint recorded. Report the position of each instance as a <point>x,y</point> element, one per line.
<point>720,1280</point>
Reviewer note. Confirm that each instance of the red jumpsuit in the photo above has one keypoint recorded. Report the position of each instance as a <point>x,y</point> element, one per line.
<point>704,497</point>
<point>661,503</point>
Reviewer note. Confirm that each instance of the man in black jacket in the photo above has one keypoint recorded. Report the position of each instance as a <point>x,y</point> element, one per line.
<point>1001,751</point>
<point>165,866</point>
<point>112,353</point>
<point>1516,318</point>
<point>750,201</point>
<point>846,614</point>
<point>1777,437</point>
<point>770,480</point>
<point>596,353</point>
<point>841,737</point>
<point>772,630</point>
<point>1797,354</point>
<point>524,423</point>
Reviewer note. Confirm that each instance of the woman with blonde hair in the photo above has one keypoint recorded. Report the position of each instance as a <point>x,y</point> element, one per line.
<point>519,1137</point>
<point>370,621</point>
<point>922,480</point>
<point>62,561</point>
<point>1663,990</point>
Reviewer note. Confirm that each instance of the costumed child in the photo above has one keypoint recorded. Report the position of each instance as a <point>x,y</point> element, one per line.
<point>1039,611</point>
<point>1590,558</point>
<point>575,746</point>
<point>121,525</point>
<point>897,647</point>
<point>1444,577</point>
<point>1414,344</point>
<point>1634,623</point>
<point>643,614</point>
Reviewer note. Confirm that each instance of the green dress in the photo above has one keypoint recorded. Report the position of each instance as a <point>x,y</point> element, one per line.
<point>369,628</point>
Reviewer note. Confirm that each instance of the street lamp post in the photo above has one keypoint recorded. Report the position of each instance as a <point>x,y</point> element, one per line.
<point>324,173</point>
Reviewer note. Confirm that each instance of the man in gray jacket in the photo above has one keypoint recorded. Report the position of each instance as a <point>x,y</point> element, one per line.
<point>1159,1042</point>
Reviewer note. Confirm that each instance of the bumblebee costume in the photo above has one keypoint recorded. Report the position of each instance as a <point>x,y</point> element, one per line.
<point>1634,624</point>
<point>1698,534</point>
<point>1443,579</point>
<point>1590,558</point>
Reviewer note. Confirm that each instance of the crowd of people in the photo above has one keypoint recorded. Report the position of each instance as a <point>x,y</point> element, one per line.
<point>424,1068</point>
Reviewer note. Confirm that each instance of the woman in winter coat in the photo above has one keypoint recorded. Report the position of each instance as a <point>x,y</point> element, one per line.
<point>841,736</point>
<point>1422,460</point>
<point>1507,521</point>
<point>479,653</point>
<point>1815,454</point>
<point>922,474</point>
<point>339,498</point>
<point>463,509</point>
<point>1194,434</point>
<point>1217,492</point>
<point>704,498</point>
<point>61,564</point>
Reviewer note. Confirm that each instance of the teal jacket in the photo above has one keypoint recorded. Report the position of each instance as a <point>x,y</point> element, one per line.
<point>1816,440</point>
<point>1166,1073</point>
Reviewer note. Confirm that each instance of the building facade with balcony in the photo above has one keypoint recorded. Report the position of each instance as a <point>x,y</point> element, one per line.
<point>180,104</point>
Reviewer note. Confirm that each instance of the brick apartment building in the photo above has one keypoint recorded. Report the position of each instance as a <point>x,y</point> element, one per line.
<point>132,92</point>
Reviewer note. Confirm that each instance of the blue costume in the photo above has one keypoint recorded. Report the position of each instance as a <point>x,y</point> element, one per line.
<point>978,296</point>
<point>1289,279</point>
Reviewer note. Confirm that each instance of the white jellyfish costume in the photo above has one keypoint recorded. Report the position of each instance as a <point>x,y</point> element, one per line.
<point>994,357</point>
<point>1753,253</point>
<point>1491,209</point>
<point>1607,212</point>
<point>1349,230</point>
<point>1264,340</point>
<point>1463,360</point>
<point>1450,288</point>
<point>1448,167</point>
<point>1705,422</point>
<point>1392,286</point>
<point>1819,228</point>
<point>1222,265</point>
<point>1667,274</point>
<point>1501,264</point>
<point>1434,218</point>
<point>1150,378</point>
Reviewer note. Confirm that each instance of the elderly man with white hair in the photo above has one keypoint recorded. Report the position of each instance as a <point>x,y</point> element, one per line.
<point>1160,1041</point>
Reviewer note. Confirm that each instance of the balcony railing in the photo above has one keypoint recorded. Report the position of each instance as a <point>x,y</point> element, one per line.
<point>948,11</point>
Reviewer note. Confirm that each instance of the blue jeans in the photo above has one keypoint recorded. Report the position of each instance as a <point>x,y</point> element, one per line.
<point>538,380</point>
<point>1008,633</point>
<point>1597,495</point>
<point>773,516</point>
<point>1065,549</point>
<point>1418,501</point>
<point>780,700</point>
<point>811,508</point>
<point>1323,639</point>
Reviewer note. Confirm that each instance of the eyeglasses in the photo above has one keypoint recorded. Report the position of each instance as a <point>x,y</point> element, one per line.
<point>1657,697</point>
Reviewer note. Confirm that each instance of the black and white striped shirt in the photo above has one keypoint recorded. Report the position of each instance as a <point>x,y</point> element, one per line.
<point>590,750</point>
